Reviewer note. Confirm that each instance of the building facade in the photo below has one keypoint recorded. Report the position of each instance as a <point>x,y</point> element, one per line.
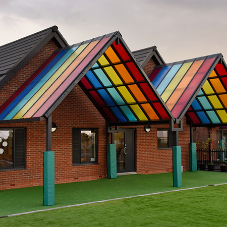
<point>81,136</point>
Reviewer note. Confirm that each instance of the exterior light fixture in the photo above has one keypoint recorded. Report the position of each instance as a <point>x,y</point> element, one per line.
<point>147,128</point>
<point>54,127</point>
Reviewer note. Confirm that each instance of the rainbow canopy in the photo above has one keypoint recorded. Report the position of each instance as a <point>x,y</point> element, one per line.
<point>198,86</point>
<point>107,72</point>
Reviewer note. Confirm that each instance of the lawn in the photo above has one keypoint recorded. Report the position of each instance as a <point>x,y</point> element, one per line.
<point>194,207</point>
<point>29,199</point>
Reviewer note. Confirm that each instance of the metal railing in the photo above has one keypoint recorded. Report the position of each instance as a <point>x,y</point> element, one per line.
<point>212,159</point>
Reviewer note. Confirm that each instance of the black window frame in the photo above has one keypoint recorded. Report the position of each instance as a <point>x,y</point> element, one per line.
<point>171,138</point>
<point>19,148</point>
<point>76,146</point>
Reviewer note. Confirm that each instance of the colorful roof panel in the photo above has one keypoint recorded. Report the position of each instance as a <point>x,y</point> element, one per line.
<point>108,74</point>
<point>179,82</point>
<point>120,90</point>
<point>210,105</point>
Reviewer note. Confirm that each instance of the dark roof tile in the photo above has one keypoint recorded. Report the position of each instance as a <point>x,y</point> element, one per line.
<point>14,55</point>
<point>8,52</point>
<point>144,55</point>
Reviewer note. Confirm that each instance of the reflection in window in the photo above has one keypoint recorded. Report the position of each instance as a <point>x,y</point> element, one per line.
<point>162,136</point>
<point>88,146</point>
<point>84,146</point>
<point>119,140</point>
<point>12,148</point>
<point>6,149</point>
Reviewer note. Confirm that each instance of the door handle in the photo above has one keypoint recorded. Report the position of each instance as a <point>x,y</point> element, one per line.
<point>124,150</point>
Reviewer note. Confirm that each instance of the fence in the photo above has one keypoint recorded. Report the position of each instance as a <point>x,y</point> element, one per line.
<point>212,160</point>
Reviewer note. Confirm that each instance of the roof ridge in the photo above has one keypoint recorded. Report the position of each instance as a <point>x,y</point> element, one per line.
<point>89,40</point>
<point>53,28</point>
<point>192,59</point>
<point>147,48</point>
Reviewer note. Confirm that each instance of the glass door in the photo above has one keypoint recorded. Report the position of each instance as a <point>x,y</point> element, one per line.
<point>119,140</point>
<point>124,140</point>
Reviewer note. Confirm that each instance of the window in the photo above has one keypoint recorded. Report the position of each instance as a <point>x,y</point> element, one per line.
<point>12,148</point>
<point>85,146</point>
<point>166,138</point>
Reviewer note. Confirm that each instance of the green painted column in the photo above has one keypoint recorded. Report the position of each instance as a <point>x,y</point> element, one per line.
<point>222,147</point>
<point>177,174</point>
<point>192,157</point>
<point>48,178</point>
<point>111,161</point>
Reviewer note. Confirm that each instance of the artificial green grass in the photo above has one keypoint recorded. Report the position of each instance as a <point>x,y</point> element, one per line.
<point>195,207</point>
<point>30,199</point>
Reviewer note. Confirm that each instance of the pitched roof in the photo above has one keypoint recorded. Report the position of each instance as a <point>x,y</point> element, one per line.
<point>210,105</point>
<point>108,74</point>
<point>144,55</point>
<point>198,86</point>
<point>14,55</point>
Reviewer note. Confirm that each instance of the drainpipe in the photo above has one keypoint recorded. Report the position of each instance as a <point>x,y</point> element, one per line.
<point>191,134</point>
<point>49,133</point>
<point>177,139</point>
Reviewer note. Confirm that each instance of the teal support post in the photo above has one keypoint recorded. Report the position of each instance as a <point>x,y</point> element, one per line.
<point>48,179</point>
<point>222,147</point>
<point>192,157</point>
<point>177,174</point>
<point>111,161</point>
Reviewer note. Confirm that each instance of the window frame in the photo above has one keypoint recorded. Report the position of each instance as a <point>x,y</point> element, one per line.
<point>76,149</point>
<point>170,134</point>
<point>14,149</point>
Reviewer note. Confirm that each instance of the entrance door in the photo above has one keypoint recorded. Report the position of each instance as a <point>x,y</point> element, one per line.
<point>124,140</point>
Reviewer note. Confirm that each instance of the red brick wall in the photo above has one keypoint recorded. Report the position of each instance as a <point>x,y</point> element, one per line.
<point>32,175</point>
<point>203,136</point>
<point>29,68</point>
<point>35,138</point>
<point>77,110</point>
<point>149,67</point>
<point>213,136</point>
<point>150,159</point>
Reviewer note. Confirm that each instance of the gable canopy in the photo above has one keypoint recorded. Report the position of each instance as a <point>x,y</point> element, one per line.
<point>198,86</point>
<point>210,105</point>
<point>108,74</point>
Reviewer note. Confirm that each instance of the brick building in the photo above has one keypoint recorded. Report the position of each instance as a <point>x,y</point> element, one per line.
<point>92,94</point>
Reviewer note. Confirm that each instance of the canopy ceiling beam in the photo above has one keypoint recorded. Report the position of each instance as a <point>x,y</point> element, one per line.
<point>22,120</point>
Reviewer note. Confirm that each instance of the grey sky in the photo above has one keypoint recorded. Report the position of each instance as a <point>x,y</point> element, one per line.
<point>180,29</point>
